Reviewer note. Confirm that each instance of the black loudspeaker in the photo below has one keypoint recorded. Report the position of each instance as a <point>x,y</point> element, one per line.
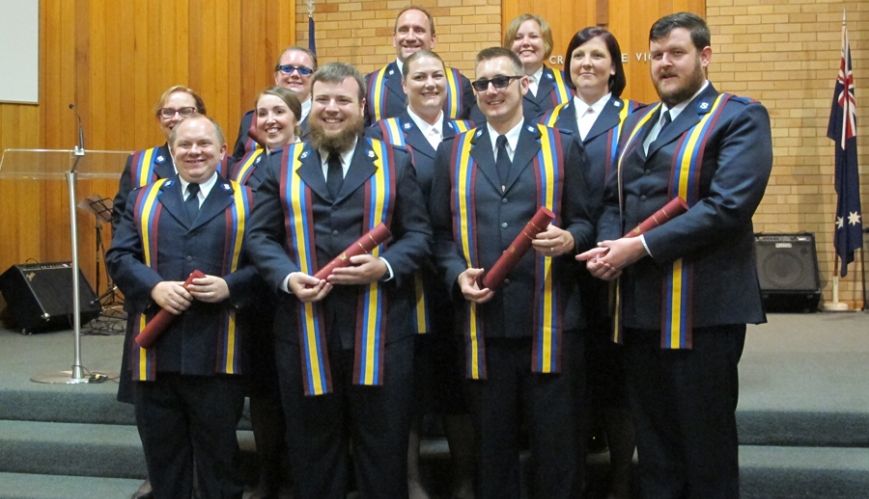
<point>787,267</point>
<point>39,296</point>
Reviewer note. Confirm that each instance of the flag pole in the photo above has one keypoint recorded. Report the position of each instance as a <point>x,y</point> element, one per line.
<point>836,305</point>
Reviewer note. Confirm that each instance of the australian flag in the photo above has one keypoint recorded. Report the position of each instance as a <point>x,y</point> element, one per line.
<point>843,130</point>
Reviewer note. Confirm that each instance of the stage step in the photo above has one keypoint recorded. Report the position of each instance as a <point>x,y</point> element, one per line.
<point>769,472</point>
<point>32,486</point>
<point>79,449</point>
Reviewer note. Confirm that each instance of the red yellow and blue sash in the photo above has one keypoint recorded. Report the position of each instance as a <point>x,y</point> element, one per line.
<point>144,167</point>
<point>677,305</point>
<point>453,106</point>
<point>613,135</point>
<point>242,170</point>
<point>393,132</point>
<point>228,358</point>
<point>629,145</point>
<point>548,168</point>
<point>371,308</point>
<point>562,93</point>
<point>377,93</point>
<point>147,213</point>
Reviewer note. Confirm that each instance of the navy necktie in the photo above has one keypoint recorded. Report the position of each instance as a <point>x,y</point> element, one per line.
<point>502,163</point>
<point>666,120</point>
<point>191,204</point>
<point>334,175</point>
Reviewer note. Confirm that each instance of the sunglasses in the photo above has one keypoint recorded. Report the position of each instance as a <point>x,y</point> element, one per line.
<point>499,82</point>
<point>168,112</point>
<point>288,69</point>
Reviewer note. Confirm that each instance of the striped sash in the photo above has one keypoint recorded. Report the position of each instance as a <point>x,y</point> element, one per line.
<point>677,296</point>
<point>562,93</point>
<point>630,144</point>
<point>144,167</point>
<point>454,105</point>
<point>677,305</point>
<point>548,168</point>
<point>242,170</point>
<point>377,94</point>
<point>370,338</point>
<point>615,133</point>
<point>147,214</point>
<point>393,132</point>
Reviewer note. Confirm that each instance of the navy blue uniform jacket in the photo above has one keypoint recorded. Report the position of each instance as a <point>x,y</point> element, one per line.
<point>716,234</point>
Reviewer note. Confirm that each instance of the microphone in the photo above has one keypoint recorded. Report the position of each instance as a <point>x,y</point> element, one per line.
<point>79,149</point>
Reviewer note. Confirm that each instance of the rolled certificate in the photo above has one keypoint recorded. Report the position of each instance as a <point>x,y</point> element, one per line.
<point>370,240</point>
<point>155,327</point>
<point>511,256</point>
<point>673,208</point>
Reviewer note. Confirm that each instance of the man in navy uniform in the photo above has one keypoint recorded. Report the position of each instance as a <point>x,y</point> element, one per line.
<point>414,30</point>
<point>189,389</point>
<point>524,340</point>
<point>689,286</point>
<point>344,343</point>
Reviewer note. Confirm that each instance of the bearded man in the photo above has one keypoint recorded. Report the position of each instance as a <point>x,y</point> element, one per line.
<point>344,344</point>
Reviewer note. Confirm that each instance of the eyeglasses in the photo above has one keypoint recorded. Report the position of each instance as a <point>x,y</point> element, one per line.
<point>499,82</point>
<point>168,112</point>
<point>288,69</point>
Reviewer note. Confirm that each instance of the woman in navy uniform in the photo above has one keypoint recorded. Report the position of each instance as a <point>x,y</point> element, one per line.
<point>595,114</point>
<point>276,114</point>
<point>437,358</point>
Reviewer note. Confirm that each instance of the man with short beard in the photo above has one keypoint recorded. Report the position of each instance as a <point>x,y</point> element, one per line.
<point>689,286</point>
<point>344,343</point>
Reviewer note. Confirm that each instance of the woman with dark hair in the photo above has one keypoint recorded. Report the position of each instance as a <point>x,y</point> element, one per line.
<point>274,125</point>
<point>594,71</point>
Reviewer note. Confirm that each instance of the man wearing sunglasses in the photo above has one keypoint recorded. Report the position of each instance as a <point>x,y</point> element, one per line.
<point>414,30</point>
<point>523,340</point>
<point>293,71</point>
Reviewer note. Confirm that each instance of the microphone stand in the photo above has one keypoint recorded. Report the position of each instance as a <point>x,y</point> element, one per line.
<point>77,375</point>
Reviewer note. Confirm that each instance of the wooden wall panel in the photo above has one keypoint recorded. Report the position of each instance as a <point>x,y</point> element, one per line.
<point>629,20</point>
<point>113,60</point>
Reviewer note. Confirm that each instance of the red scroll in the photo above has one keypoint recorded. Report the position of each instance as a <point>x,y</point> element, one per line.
<point>672,209</point>
<point>511,256</point>
<point>370,240</point>
<point>162,319</point>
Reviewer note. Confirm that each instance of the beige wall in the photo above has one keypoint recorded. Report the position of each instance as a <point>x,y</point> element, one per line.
<point>786,55</point>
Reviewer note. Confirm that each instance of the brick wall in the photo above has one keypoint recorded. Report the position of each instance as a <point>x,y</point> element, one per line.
<point>360,31</point>
<point>784,53</point>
